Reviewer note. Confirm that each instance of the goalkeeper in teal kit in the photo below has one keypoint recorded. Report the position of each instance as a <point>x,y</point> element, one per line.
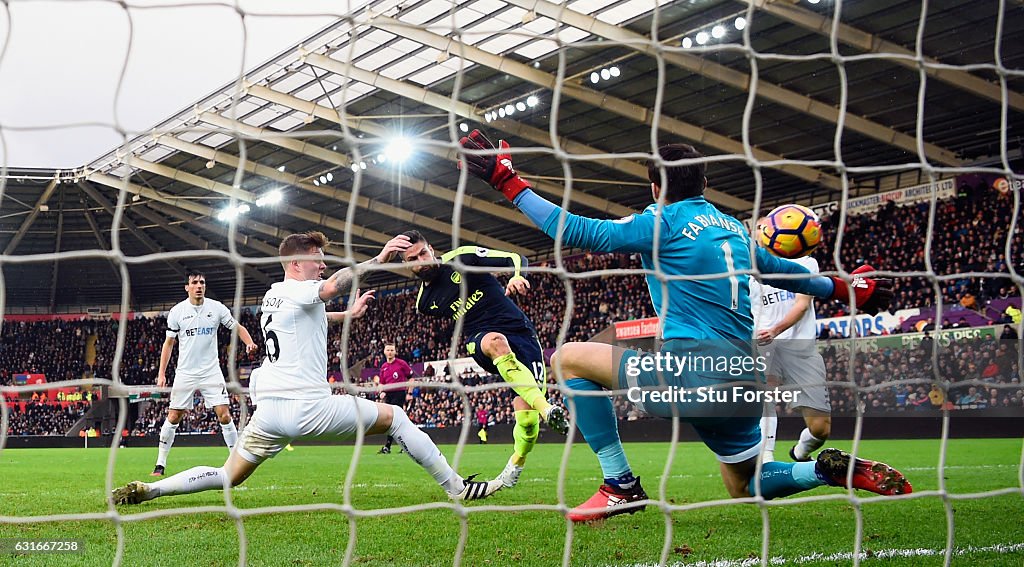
<point>703,317</point>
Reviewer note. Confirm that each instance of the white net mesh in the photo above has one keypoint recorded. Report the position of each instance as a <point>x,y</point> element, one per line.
<point>429,55</point>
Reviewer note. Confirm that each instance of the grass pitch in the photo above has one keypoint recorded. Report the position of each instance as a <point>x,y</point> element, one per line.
<point>36,482</point>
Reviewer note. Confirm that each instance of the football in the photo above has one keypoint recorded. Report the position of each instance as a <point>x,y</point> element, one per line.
<point>790,231</point>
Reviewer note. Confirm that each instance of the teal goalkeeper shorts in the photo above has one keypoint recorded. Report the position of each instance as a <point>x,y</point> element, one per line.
<point>710,386</point>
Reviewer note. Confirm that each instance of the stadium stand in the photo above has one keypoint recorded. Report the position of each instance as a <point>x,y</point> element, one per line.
<point>970,236</point>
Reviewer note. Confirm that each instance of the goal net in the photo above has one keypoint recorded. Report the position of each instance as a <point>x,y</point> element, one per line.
<point>898,126</point>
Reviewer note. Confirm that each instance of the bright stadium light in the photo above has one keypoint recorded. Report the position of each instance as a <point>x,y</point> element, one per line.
<point>381,158</point>
<point>398,150</point>
<point>718,32</point>
<point>520,106</point>
<point>323,179</point>
<point>362,165</point>
<point>740,23</point>
<point>501,113</point>
<point>330,176</point>
<point>355,166</point>
<point>687,43</point>
<point>813,1</point>
<point>606,74</point>
<point>532,101</point>
<point>509,109</point>
<point>272,198</point>
<point>463,127</point>
<point>594,77</point>
<point>228,213</point>
<point>281,168</point>
<point>614,71</point>
<point>316,182</point>
<point>702,38</point>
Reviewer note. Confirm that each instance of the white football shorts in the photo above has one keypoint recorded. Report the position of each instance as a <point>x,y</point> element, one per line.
<point>277,422</point>
<point>803,368</point>
<point>211,386</point>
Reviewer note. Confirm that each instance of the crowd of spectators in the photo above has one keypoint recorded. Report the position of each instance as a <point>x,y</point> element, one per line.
<point>41,418</point>
<point>972,374</point>
<point>970,235</point>
<point>54,348</point>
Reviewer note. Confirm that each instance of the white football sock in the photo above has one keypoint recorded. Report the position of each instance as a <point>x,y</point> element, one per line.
<point>166,440</point>
<point>807,445</point>
<point>230,434</point>
<point>422,449</point>
<point>195,479</point>
<point>769,426</point>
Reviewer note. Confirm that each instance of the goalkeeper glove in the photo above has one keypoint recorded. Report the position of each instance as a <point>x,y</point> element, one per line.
<point>870,295</point>
<point>494,169</point>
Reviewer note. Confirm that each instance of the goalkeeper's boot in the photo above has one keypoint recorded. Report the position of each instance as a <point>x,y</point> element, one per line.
<point>510,476</point>
<point>477,490</point>
<point>609,501</point>
<point>157,471</point>
<point>832,466</point>
<point>557,419</point>
<point>132,493</point>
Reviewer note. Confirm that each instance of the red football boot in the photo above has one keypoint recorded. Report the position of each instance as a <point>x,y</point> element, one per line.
<point>609,501</point>
<point>880,478</point>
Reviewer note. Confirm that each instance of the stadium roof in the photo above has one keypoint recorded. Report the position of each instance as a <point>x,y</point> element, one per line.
<point>334,103</point>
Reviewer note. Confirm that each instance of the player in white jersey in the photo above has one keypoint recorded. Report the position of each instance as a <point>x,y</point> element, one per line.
<point>785,331</point>
<point>193,324</point>
<point>292,395</point>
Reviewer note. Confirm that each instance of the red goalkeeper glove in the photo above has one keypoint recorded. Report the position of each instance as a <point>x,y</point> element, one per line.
<point>494,169</point>
<point>870,295</point>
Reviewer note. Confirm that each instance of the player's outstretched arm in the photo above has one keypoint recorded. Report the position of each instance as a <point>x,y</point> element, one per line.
<point>341,281</point>
<point>630,234</point>
<point>870,295</point>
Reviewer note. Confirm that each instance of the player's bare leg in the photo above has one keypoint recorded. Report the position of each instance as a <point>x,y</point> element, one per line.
<point>167,431</point>
<point>738,476</point>
<point>392,420</point>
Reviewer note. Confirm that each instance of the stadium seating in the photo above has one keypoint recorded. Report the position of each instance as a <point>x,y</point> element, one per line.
<point>970,235</point>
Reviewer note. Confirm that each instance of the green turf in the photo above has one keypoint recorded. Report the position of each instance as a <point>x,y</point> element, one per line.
<point>59,481</point>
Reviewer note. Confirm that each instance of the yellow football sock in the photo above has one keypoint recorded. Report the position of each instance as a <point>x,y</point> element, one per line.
<point>522,380</point>
<point>524,435</point>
